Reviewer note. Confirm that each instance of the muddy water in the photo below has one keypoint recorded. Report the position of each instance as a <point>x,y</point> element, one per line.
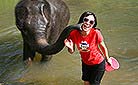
<point>118,21</point>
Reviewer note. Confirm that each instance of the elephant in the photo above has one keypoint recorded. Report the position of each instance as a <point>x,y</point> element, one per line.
<point>43,26</point>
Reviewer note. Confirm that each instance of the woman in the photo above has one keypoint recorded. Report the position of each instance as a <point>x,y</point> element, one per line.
<point>92,49</point>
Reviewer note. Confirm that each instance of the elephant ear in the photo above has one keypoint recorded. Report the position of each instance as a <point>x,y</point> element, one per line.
<point>46,9</point>
<point>20,15</point>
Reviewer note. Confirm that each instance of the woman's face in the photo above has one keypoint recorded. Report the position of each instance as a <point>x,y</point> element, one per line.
<point>88,23</point>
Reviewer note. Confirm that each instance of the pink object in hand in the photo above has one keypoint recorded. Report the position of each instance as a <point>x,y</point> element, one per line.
<point>114,65</point>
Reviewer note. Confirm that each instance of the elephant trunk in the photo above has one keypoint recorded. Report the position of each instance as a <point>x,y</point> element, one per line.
<point>59,44</point>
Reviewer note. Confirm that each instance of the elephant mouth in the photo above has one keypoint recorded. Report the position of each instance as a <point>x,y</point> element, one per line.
<point>42,42</point>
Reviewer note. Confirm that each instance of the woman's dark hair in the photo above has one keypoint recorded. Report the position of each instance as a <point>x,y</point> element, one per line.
<point>85,14</point>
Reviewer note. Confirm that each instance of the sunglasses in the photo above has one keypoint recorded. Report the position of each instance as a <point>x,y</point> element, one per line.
<point>86,20</point>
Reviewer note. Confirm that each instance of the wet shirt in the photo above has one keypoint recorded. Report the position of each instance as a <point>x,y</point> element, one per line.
<point>88,46</point>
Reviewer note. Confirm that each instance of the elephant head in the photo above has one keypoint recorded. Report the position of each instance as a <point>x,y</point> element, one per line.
<point>41,23</point>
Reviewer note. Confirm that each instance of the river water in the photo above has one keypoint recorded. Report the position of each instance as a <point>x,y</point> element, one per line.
<point>118,21</point>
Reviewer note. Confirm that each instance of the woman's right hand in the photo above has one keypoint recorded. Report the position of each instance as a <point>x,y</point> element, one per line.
<point>69,44</point>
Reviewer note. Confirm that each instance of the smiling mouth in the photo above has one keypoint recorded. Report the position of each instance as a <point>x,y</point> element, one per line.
<point>86,26</point>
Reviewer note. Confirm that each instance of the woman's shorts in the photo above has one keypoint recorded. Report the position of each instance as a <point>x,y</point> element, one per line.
<point>93,73</point>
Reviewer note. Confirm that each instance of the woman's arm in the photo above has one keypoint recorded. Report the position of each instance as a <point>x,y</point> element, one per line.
<point>104,50</point>
<point>70,45</point>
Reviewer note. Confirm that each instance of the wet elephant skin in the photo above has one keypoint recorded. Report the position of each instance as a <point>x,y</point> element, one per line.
<point>41,23</point>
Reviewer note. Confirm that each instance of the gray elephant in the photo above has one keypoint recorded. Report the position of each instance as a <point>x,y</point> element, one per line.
<point>41,23</point>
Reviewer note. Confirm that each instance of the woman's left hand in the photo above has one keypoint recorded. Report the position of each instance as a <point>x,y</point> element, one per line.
<point>109,61</point>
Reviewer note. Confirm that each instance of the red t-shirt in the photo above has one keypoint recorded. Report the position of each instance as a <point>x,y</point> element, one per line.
<point>88,46</point>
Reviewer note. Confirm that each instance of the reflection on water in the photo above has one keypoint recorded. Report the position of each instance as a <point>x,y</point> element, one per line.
<point>118,21</point>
